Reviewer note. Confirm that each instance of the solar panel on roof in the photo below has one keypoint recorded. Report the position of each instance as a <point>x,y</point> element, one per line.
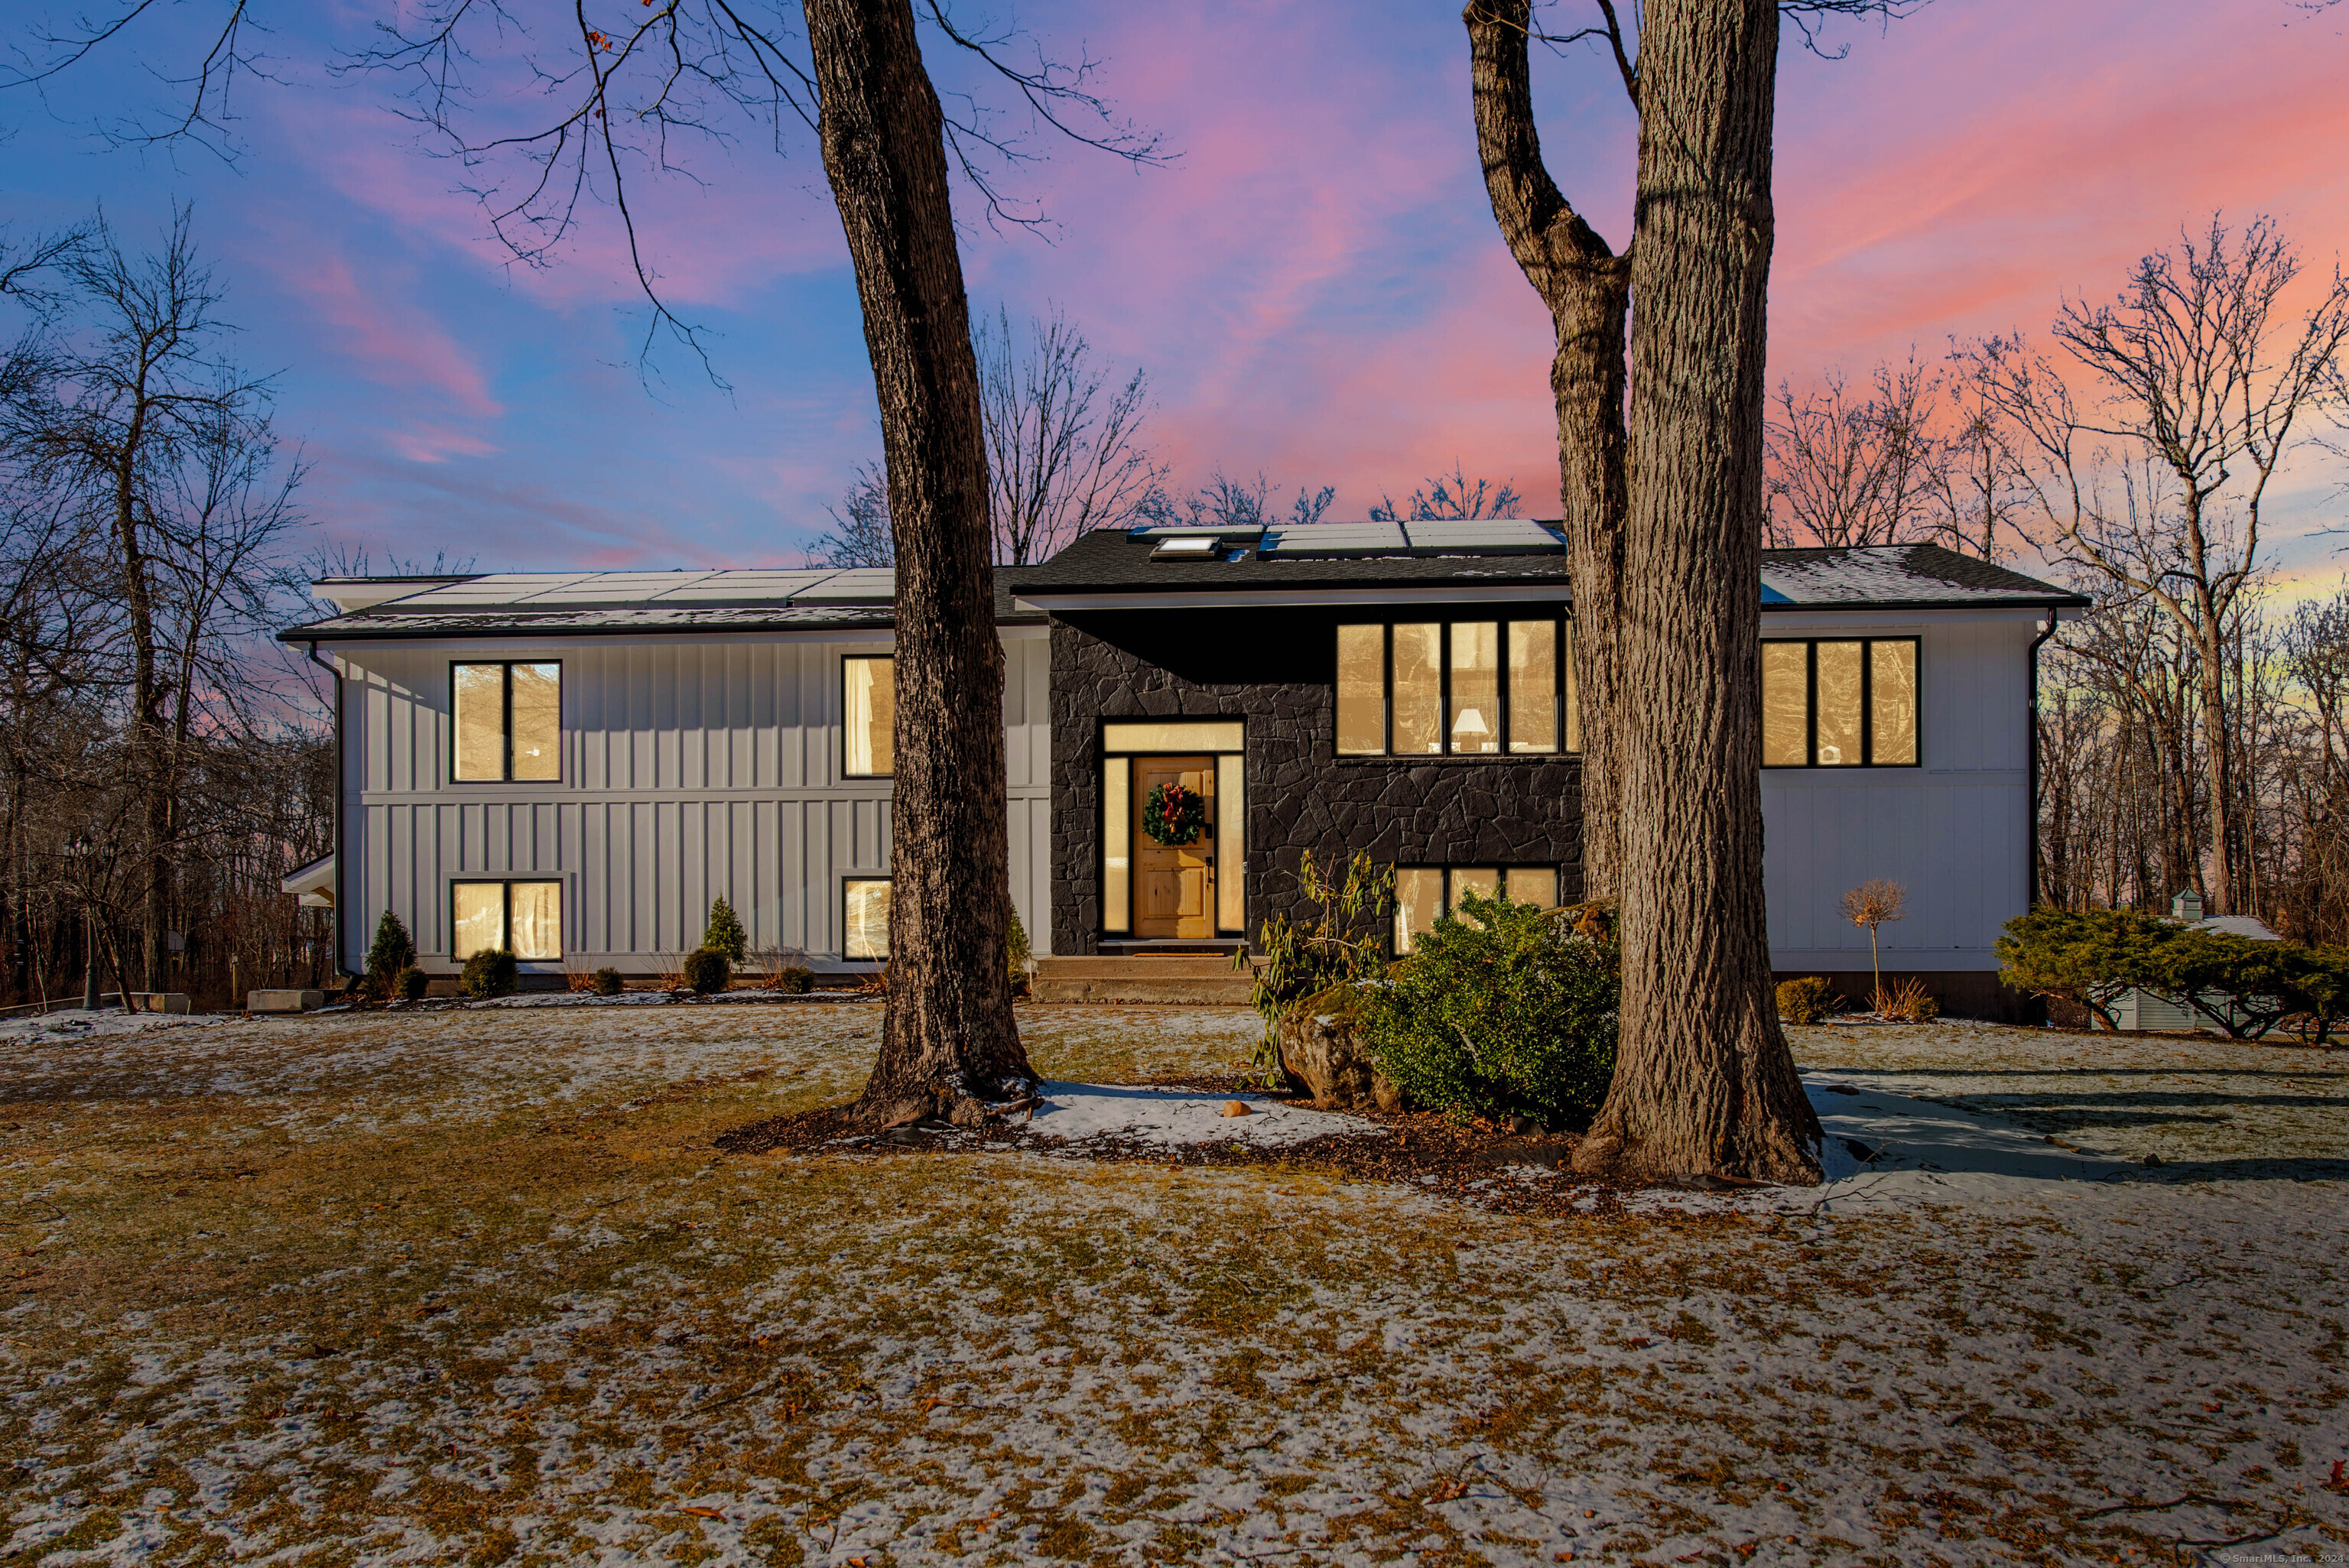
<point>1513,535</point>
<point>1335,539</point>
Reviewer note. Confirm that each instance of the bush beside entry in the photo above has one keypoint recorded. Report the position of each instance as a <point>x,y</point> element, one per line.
<point>707,971</point>
<point>492,974</point>
<point>1502,1010</point>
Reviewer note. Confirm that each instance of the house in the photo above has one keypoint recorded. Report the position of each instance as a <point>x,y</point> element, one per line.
<point>574,763</point>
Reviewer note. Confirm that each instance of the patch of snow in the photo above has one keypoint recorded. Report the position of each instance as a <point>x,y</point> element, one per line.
<point>1074,1112</point>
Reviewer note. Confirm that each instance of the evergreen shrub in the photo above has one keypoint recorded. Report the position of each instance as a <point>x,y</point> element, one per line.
<point>393,951</point>
<point>707,971</point>
<point>1016,954</point>
<point>491,973</point>
<point>794,979</point>
<point>409,983</point>
<point>606,982</point>
<point>1502,1010</point>
<point>1807,1000</point>
<point>725,933</point>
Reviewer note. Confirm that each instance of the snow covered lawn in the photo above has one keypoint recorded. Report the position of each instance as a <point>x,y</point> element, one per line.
<point>474,1284</point>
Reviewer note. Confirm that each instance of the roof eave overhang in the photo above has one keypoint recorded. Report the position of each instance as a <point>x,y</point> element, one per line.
<point>1831,606</point>
<point>1553,592</point>
<point>321,635</point>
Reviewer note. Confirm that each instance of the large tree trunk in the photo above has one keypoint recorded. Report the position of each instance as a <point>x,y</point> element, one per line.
<point>1704,1081</point>
<point>947,1038</point>
<point>146,726</point>
<point>1588,290</point>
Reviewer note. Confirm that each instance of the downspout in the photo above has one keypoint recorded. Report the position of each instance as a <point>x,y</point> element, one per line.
<point>2030,888</point>
<point>337,921</point>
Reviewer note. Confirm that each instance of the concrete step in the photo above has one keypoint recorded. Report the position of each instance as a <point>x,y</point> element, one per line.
<point>1161,967</point>
<point>1206,980</point>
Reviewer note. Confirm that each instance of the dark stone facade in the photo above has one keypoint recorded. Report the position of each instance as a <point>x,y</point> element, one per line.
<point>1276,670</point>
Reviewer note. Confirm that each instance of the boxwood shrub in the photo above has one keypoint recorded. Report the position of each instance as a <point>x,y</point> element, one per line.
<point>491,973</point>
<point>1503,1009</point>
<point>707,971</point>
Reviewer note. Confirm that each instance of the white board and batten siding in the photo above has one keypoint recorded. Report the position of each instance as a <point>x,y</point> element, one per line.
<point>690,768</point>
<point>1954,831</point>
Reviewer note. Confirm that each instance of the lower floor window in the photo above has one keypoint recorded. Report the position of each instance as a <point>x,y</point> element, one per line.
<point>1424,894</point>
<point>524,918</point>
<point>865,918</point>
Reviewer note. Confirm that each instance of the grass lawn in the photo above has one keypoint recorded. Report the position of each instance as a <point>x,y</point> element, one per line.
<point>476,1285</point>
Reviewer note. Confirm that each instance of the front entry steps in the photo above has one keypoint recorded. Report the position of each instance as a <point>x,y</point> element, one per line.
<point>1143,979</point>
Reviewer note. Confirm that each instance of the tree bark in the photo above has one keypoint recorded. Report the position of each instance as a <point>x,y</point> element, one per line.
<point>146,726</point>
<point>1703,1080</point>
<point>1588,290</point>
<point>947,1038</point>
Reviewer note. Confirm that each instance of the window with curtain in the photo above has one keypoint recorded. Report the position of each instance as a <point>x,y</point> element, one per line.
<point>865,918</point>
<point>1839,703</point>
<point>868,716</point>
<point>508,718</point>
<point>524,918</point>
<point>1424,894</point>
<point>1455,688</point>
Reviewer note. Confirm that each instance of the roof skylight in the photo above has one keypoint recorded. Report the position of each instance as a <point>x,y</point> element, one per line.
<point>1192,547</point>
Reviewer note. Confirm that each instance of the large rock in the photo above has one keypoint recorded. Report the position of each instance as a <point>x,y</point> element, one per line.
<point>1323,1052</point>
<point>284,1001</point>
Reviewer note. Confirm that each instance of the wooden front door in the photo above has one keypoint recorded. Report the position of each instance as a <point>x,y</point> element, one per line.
<point>1173,888</point>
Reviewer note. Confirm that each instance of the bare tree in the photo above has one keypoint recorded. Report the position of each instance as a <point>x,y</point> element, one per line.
<point>1846,470</point>
<point>2196,384</point>
<point>1450,497</point>
<point>1064,448</point>
<point>1587,288</point>
<point>1873,903</point>
<point>859,534</point>
<point>1227,502</point>
<point>124,419</point>
<point>619,102</point>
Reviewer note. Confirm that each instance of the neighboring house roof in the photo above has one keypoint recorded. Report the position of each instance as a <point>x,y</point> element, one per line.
<point>605,604</point>
<point>2249,926</point>
<point>1494,559</point>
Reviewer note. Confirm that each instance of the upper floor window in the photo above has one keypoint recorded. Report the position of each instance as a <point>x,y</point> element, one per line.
<point>1844,703</point>
<point>1462,688</point>
<point>868,713</point>
<point>509,721</point>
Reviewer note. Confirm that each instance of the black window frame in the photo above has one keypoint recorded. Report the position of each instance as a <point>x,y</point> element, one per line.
<point>1867,703</point>
<point>1450,870</point>
<point>505,886</point>
<point>846,877</point>
<point>1105,755</point>
<point>505,720</point>
<point>845,660</point>
<point>1562,729</point>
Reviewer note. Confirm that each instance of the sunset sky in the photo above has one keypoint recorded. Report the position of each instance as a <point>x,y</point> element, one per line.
<point>1314,283</point>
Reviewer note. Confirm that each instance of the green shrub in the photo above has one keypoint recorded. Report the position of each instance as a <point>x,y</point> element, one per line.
<point>2318,990</point>
<point>2243,986</point>
<point>409,983</point>
<point>1502,1010</point>
<point>795,979</point>
<point>1345,944</point>
<point>707,971</point>
<point>394,950</point>
<point>725,933</point>
<point>1807,1000</point>
<point>2091,957</point>
<point>1015,954</point>
<point>491,973</point>
<point>606,982</point>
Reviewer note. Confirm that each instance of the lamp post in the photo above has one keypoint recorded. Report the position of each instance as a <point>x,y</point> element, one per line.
<point>80,850</point>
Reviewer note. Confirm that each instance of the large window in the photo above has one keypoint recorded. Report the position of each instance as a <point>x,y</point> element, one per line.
<point>864,917</point>
<point>524,918</point>
<point>1839,704</point>
<point>1455,688</point>
<point>1423,894</point>
<point>509,721</point>
<point>868,717</point>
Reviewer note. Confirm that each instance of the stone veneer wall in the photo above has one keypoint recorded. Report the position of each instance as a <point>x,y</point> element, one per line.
<point>1277,669</point>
